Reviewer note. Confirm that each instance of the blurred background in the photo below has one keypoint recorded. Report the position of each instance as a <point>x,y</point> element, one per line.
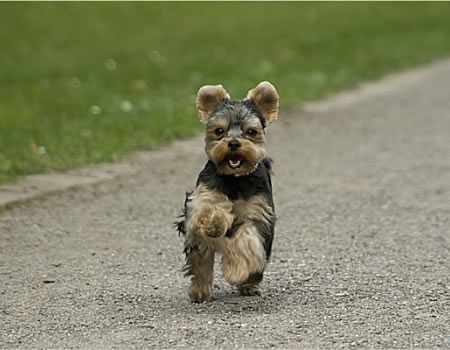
<point>90,82</point>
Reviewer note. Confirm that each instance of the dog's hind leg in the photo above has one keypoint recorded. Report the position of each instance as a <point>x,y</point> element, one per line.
<point>252,285</point>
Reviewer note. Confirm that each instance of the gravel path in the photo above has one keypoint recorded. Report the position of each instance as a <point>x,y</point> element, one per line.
<point>360,260</point>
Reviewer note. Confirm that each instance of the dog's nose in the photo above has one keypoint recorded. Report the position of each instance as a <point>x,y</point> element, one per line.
<point>234,145</point>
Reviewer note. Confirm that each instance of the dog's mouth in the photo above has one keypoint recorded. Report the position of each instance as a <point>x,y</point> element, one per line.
<point>234,161</point>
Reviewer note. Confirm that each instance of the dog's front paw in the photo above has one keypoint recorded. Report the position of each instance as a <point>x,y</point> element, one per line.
<point>214,222</point>
<point>198,293</point>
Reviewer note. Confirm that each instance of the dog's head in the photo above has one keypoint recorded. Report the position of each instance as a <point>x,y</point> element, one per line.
<point>235,129</point>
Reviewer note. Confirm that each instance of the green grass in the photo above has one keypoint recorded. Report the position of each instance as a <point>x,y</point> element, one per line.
<point>58,60</point>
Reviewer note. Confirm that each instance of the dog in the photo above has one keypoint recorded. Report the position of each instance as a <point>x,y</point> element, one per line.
<point>231,210</point>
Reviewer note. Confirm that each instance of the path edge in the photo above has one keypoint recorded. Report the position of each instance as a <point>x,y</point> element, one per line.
<point>37,186</point>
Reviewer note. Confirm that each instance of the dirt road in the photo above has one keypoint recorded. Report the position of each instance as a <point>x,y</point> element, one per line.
<point>360,259</point>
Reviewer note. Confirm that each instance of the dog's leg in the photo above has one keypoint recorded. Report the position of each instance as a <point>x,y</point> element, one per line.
<point>243,255</point>
<point>212,221</point>
<point>200,264</point>
<point>208,216</point>
<point>246,251</point>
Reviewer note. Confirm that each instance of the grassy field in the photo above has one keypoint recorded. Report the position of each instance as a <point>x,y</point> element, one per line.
<point>90,82</point>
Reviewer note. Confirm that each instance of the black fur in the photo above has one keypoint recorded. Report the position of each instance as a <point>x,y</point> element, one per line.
<point>255,278</point>
<point>237,187</point>
<point>180,225</point>
<point>188,250</point>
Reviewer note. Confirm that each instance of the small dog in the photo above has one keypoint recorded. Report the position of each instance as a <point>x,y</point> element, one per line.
<point>231,210</point>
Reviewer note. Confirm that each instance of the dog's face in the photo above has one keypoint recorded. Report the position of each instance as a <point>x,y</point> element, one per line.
<point>235,129</point>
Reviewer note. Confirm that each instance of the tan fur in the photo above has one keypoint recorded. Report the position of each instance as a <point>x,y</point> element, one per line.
<point>243,254</point>
<point>252,153</point>
<point>255,208</point>
<point>202,267</point>
<point>209,214</point>
<point>265,96</point>
<point>212,126</point>
<point>207,97</point>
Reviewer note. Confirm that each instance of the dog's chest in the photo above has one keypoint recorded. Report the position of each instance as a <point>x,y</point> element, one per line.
<point>253,208</point>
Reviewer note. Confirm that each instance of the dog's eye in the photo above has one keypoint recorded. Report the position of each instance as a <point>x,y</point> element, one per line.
<point>219,131</point>
<point>251,132</point>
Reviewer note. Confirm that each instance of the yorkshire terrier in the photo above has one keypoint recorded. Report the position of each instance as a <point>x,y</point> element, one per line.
<point>231,210</point>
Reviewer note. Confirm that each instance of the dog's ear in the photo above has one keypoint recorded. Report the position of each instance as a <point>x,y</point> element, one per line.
<point>265,96</point>
<point>207,97</point>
